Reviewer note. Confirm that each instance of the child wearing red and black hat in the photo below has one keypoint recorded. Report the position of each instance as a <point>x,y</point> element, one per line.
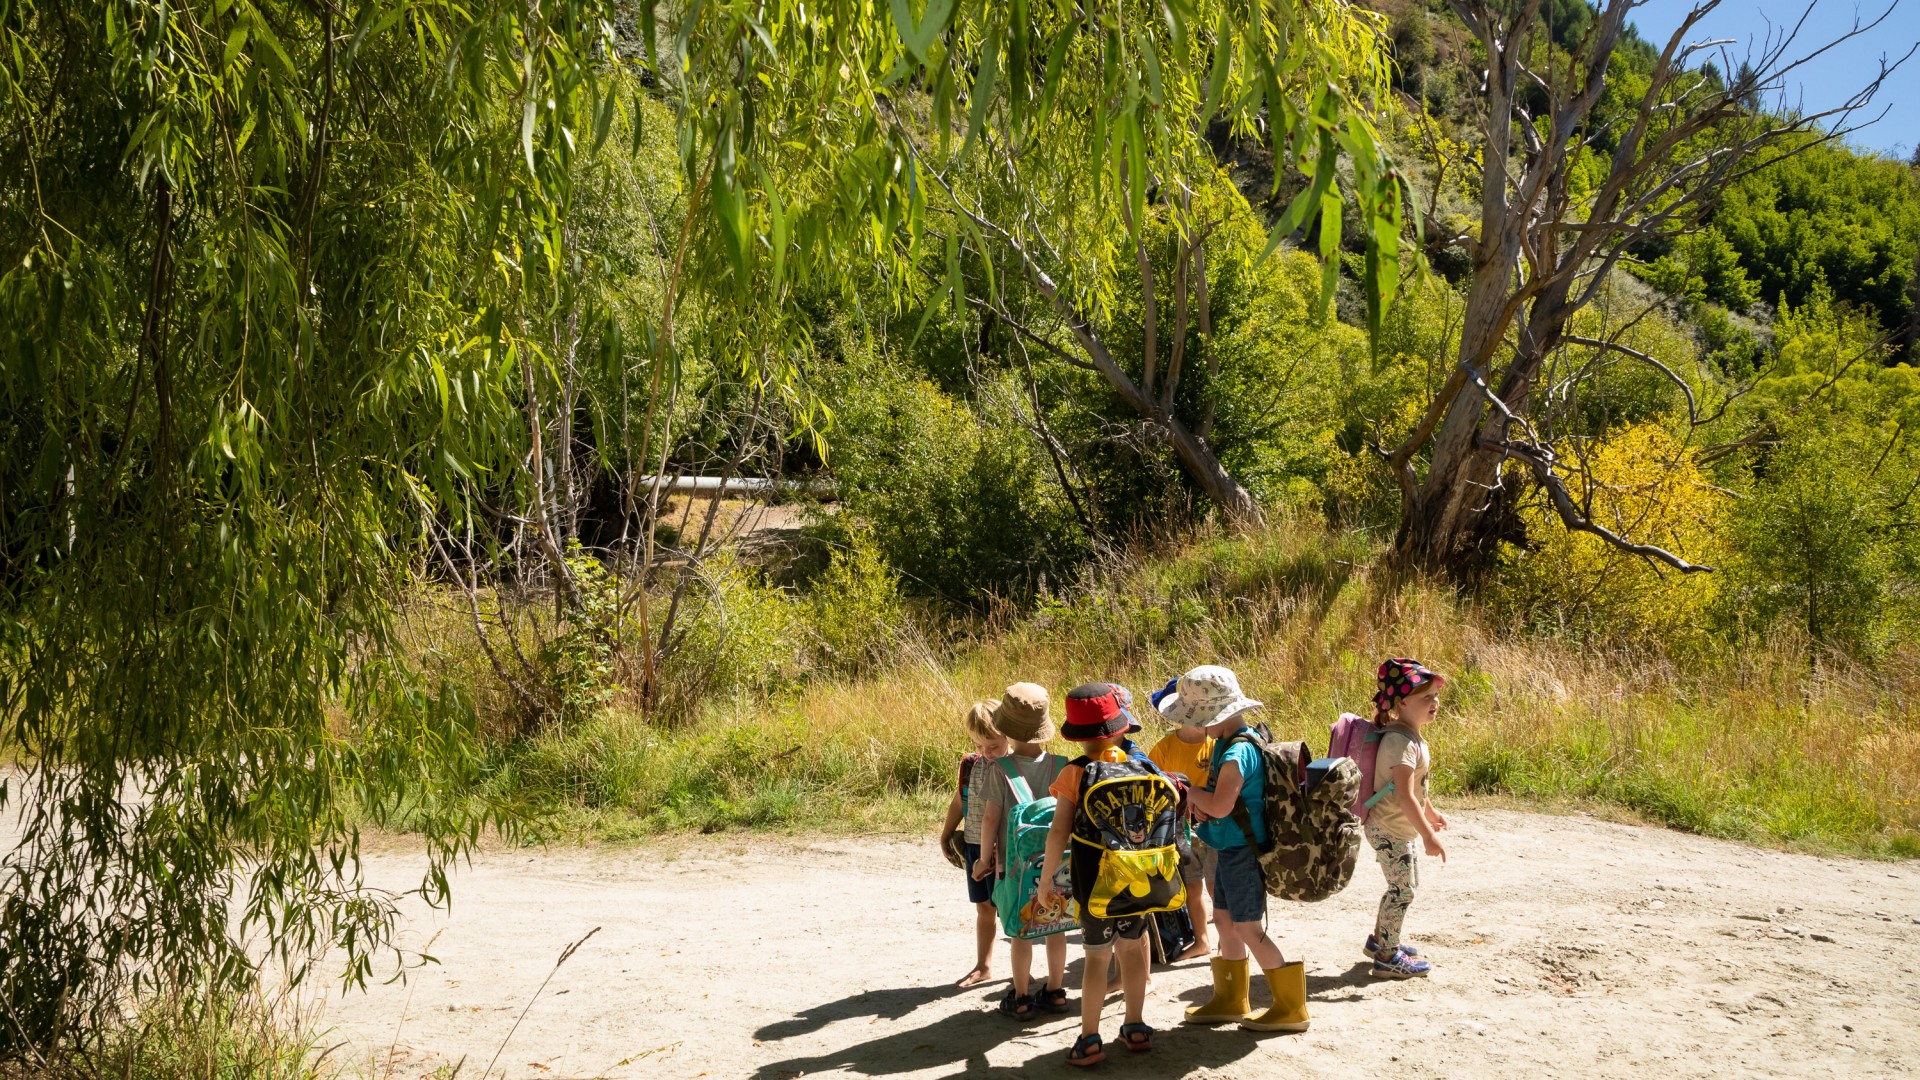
<point>1099,718</point>
<point>1407,701</point>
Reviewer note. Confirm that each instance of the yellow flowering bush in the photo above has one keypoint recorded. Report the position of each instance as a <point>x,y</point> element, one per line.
<point>1641,483</point>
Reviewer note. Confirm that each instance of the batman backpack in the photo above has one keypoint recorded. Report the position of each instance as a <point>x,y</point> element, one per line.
<point>1126,840</point>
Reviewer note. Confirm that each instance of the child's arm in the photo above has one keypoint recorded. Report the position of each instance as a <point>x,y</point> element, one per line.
<point>1218,802</point>
<point>1057,835</point>
<point>989,861</point>
<point>953,820</point>
<point>1410,806</point>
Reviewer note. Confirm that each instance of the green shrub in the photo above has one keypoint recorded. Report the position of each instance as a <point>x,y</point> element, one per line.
<point>578,663</point>
<point>854,608</point>
<point>740,635</point>
<point>958,501</point>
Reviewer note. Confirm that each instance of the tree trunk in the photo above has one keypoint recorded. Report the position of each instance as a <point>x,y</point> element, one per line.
<point>1195,455</point>
<point>1460,511</point>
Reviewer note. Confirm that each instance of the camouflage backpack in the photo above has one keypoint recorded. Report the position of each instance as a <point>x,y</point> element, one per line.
<point>1313,839</point>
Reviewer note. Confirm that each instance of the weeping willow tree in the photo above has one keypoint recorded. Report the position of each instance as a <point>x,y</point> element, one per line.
<point>293,287</point>
<point>272,274</point>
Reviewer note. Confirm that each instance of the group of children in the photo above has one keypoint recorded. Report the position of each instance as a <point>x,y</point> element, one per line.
<point>1222,778</point>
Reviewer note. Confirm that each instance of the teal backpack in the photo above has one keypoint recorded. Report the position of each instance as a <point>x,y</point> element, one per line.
<point>1024,845</point>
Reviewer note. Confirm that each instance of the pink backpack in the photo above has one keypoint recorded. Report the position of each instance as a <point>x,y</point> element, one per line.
<point>1357,737</point>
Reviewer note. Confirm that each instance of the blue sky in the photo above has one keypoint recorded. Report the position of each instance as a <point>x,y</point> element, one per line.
<point>1828,81</point>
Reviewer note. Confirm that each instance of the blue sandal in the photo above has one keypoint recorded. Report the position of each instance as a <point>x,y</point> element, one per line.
<point>1087,1050</point>
<point>1138,1037</point>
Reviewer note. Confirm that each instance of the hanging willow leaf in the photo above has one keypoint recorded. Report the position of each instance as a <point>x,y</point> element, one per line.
<point>1329,249</point>
<point>983,86</point>
<point>1136,169</point>
<point>1019,32</point>
<point>1222,65</point>
<point>1056,62</point>
<point>919,36</point>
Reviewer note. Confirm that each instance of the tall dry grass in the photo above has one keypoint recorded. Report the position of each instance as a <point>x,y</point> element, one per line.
<point>186,1033</point>
<point>1750,743</point>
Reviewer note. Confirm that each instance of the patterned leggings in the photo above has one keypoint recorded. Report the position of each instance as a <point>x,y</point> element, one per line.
<point>1399,863</point>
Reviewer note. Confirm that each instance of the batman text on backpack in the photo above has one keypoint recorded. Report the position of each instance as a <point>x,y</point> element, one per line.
<point>1126,831</point>
<point>1313,839</point>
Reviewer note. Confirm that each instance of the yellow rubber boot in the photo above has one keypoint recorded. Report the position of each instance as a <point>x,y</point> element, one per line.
<point>1229,1002</point>
<point>1288,984</point>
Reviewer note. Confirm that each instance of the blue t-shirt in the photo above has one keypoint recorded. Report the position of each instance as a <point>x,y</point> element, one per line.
<point>1222,832</point>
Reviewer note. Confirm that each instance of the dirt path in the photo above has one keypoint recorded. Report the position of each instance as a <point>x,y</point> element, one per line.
<point>1563,947</point>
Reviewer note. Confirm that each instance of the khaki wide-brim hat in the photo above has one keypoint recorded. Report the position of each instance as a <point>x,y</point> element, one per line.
<point>1205,696</point>
<point>1022,713</point>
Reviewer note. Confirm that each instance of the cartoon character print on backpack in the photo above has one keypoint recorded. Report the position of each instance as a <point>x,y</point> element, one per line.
<point>1035,920</point>
<point>1126,830</point>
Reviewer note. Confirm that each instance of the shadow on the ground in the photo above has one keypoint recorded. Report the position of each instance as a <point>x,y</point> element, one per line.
<point>1330,987</point>
<point>879,1004</point>
<point>961,1041</point>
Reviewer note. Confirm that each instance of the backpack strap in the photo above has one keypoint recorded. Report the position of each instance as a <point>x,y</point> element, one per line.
<point>1378,795</point>
<point>1241,818</point>
<point>1022,793</point>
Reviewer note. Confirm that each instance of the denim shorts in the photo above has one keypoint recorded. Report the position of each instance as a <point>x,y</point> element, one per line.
<point>978,891</point>
<point>1238,884</point>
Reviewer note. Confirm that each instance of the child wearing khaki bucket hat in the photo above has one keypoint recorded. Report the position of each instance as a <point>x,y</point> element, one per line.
<point>1022,716</point>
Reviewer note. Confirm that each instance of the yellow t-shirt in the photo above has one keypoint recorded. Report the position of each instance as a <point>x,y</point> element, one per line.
<point>1189,759</point>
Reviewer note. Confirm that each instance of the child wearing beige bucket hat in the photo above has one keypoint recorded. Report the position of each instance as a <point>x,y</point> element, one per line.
<point>1022,716</point>
<point>1209,697</point>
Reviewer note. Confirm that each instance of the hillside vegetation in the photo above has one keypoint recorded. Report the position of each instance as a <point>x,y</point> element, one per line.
<point>1750,743</point>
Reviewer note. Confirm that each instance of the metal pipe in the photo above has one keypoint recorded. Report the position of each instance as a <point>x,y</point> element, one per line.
<point>742,485</point>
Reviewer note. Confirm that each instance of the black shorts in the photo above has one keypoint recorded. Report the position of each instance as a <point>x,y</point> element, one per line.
<point>1097,933</point>
<point>978,891</point>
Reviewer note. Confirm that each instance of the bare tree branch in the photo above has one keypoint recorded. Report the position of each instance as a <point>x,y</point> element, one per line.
<point>1693,410</point>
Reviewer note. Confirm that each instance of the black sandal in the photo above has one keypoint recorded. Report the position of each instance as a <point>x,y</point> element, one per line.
<point>1138,1037</point>
<point>1018,1006</point>
<point>1052,999</point>
<point>1087,1050</point>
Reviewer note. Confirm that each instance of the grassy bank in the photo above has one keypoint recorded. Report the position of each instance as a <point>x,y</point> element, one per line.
<point>1755,744</point>
<point>187,1035</point>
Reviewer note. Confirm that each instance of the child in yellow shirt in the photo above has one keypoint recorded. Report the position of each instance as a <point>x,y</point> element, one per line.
<point>1187,750</point>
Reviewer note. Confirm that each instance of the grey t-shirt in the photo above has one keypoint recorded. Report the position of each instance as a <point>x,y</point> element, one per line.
<point>1039,773</point>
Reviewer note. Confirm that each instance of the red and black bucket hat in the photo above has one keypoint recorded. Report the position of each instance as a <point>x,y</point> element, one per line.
<point>1098,710</point>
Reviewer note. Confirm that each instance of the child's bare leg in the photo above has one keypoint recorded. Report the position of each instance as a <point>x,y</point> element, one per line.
<point>1218,913</point>
<point>983,928</point>
<point>1057,962</point>
<point>1093,988</point>
<point>1241,938</point>
<point>1197,911</point>
<point>1022,953</point>
<point>1135,956</point>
